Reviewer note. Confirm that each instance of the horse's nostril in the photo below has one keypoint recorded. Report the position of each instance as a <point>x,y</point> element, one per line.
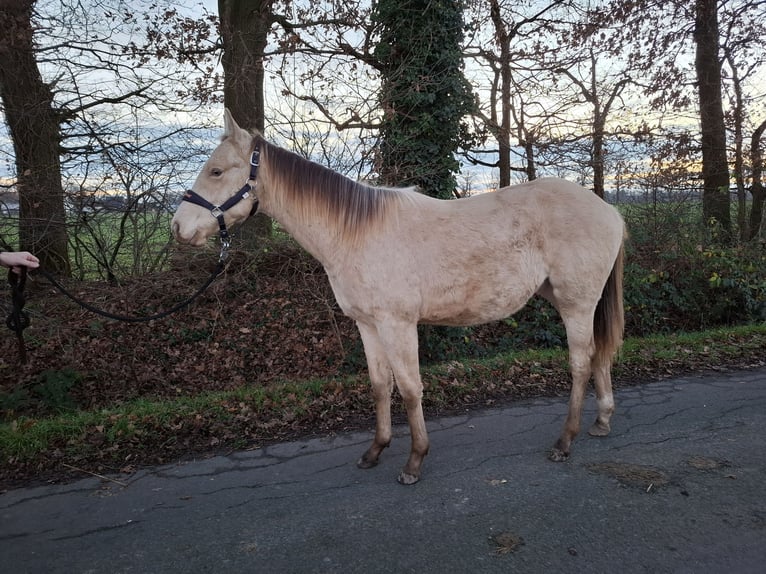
<point>174,228</point>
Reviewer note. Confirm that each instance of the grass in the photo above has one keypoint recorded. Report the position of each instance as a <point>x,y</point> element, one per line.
<point>256,414</point>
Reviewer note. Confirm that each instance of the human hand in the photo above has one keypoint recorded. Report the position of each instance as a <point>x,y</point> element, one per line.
<point>18,259</point>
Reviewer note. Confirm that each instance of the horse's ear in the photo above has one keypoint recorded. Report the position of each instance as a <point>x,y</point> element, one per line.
<point>230,127</point>
<point>232,130</point>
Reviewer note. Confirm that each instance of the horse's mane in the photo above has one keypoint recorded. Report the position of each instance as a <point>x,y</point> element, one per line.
<point>311,190</point>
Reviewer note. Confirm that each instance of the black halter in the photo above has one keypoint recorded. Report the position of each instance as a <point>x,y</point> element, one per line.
<point>217,211</point>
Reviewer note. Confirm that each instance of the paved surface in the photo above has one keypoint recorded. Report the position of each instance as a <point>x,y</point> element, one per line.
<point>679,486</point>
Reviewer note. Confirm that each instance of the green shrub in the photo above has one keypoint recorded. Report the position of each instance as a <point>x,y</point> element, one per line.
<point>694,288</point>
<point>54,387</point>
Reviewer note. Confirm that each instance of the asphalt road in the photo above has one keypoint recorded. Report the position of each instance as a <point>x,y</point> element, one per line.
<point>678,487</point>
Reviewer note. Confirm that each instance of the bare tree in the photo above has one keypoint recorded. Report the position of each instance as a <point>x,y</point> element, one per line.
<point>715,168</point>
<point>673,77</point>
<point>601,95</point>
<point>545,70</point>
<point>34,125</point>
<point>329,80</point>
<point>512,113</point>
<point>742,31</point>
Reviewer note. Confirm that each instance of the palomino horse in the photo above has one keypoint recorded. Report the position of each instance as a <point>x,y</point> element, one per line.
<point>396,258</point>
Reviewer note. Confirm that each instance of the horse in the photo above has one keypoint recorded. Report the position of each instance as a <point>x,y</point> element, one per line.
<point>396,258</point>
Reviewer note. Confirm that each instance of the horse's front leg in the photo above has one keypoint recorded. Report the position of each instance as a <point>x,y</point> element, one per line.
<point>400,340</point>
<point>382,382</point>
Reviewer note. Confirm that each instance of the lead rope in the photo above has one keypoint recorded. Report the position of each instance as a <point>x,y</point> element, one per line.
<point>132,318</point>
<point>18,319</point>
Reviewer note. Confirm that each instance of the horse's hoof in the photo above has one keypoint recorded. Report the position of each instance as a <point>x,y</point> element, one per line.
<point>406,478</point>
<point>364,462</point>
<point>558,455</point>
<point>599,429</point>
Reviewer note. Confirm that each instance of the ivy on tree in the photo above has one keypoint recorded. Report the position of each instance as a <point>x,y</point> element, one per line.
<point>424,94</point>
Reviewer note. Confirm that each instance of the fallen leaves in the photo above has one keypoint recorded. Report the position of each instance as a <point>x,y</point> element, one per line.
<point>252,330</point>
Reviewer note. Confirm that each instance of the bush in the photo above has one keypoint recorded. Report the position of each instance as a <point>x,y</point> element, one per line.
<point>50,393</point>
<point>684,281</point>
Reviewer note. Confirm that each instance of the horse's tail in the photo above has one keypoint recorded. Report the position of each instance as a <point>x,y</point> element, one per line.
<point>609,320</point>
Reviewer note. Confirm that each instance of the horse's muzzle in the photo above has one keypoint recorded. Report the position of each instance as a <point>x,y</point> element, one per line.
<point>195,238</point>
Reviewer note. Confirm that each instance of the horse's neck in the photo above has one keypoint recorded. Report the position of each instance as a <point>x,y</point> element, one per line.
<point>332,219</point>
<point>315,235</point>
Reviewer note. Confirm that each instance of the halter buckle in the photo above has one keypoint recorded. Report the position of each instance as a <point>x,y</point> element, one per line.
<point>216,212</point>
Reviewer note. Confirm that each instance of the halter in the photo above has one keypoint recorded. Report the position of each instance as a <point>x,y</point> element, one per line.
<point>217,211</point>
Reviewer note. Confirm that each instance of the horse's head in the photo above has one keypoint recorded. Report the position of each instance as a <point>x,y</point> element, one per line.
<point>218,199</point>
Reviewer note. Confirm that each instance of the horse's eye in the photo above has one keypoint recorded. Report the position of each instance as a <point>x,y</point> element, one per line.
<point>216,172</point>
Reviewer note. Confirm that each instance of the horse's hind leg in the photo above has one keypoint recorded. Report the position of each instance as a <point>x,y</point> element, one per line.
<point>602,378</point>
<point>381,378</point>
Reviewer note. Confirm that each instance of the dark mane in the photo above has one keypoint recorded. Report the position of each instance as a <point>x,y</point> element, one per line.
<point>310,190</point>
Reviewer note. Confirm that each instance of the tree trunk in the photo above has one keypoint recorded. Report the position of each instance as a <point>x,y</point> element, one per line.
<point>599,127</point>
<point>739,162</point>
<point>245,26</point>
<point>716,201</point>
<point>529,152</point>
<point>597,156</point>
<point>423,94</point>
<point>757,189</point>
<point>35,131</point>
<point>503,134</point>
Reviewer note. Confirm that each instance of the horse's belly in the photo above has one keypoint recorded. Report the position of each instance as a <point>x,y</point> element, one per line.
<point>461,308</point>
<point>465,319</point>
<point>437,298</point>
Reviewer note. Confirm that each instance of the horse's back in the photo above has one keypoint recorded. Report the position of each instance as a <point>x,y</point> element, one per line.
<point>568,215</point>
<point>553,209</point>
<point>556,197</point>
<point>540,222</point>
